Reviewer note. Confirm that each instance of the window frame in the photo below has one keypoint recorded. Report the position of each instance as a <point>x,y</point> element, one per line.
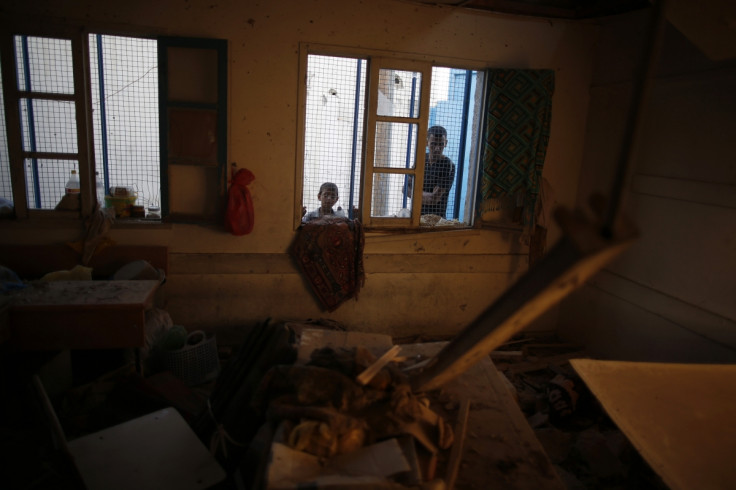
<point>369,169</point>
<point>81,98</point>
<point>378,59</point>
<point>78,34</point>
<point>219,106</point>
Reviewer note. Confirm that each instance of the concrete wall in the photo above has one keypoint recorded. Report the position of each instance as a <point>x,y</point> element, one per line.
<point>672,296</point>
<point>429,283</point>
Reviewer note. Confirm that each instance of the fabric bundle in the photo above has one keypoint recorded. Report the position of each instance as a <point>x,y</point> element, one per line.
<point>329,252</point>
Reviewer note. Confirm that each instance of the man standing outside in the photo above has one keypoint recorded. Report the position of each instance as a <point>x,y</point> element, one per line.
<point>439,173</point>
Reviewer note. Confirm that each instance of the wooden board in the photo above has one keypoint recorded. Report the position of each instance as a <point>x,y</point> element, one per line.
<point>566,267</point>
<point>158,450</point>
<point>678,416</point>
<point>80,315</point>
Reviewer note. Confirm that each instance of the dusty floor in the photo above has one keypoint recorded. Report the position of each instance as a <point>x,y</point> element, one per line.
<point>585,446</point>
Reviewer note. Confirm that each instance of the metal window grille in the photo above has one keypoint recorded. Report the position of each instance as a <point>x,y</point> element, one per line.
<point>124,74</point>
<point>125,116</point>
<point>455,100</point>
<point>44,66</point>
<point>6,188</point>
<point>334,129</point>
<point>334,132</point>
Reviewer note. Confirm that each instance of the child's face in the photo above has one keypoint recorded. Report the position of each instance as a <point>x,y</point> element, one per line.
<point>328,198</point>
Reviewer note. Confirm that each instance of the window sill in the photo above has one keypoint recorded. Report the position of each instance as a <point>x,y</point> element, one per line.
<point>392,234</point>
<point>65,223</point>
<point>133,223</point>
<point>381,235</point>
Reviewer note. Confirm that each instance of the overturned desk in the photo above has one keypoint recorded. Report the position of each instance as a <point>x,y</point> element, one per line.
<point>80,315</point>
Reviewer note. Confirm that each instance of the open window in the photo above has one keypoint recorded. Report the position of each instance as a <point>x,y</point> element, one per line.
<point>365,124</point>
<point>141,116</point>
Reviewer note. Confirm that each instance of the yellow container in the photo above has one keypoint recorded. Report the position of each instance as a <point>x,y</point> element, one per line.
<point>121,204</point>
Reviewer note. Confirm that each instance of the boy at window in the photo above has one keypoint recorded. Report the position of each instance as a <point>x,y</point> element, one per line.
<point>328,196</point>
<point>439,173</point>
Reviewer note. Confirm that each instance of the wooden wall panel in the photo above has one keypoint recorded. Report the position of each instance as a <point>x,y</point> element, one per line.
<point>373,263</point>
<point>398,304</point>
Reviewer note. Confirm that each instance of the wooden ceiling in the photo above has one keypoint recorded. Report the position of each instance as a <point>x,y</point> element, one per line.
<point>558,9</point>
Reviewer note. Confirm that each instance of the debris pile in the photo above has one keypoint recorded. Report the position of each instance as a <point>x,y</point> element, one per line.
<point>583,443</point>
<point>344,416</point>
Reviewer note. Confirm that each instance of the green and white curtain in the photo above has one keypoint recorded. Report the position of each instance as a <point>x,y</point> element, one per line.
<point>515,136</point>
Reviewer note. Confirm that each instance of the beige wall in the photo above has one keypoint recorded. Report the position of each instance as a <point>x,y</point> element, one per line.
<point>424,283</point>
<point>672,296</point>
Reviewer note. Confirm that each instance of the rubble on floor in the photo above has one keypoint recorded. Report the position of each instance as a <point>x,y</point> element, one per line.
<point>585,447</point>
<point>583,443</point>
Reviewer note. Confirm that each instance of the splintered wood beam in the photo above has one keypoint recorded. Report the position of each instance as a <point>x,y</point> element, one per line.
<point>370,372</point>
<point>456,453</point>
<point>582,252</point>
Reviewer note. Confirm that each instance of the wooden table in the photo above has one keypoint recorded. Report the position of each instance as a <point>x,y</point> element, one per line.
<point>80,315</point>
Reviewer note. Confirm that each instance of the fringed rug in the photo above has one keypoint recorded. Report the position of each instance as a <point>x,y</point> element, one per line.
<point>329,252</point>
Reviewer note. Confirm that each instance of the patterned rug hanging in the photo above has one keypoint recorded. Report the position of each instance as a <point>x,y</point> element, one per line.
<point>329,252</point>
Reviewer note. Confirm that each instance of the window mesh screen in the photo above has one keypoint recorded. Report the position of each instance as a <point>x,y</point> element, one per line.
<point>334,129</point>
<point>454,102</point>
<point>125,114</point>
<point>48,125</point>
<point>395,147</point>
<point>46,180</point>
<point>44,65</point>
<point>6,187</point>
<point>334,132</point>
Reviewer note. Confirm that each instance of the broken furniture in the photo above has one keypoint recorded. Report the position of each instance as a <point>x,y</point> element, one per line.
<point>155,451</point>
<point>472,432</point>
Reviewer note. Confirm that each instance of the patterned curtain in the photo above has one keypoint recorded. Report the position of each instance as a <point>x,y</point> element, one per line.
<point>518,113</point>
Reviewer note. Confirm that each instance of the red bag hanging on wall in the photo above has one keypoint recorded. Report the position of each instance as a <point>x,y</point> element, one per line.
<point>239,215</point>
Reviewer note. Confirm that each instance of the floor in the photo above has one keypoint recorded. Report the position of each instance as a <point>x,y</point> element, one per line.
<point>585,446</point>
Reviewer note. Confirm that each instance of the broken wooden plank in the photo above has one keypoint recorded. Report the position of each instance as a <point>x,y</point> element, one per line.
<point>453,464</point>
<point>370,372</point>
<point>506,354</point>
<point>582,252</point>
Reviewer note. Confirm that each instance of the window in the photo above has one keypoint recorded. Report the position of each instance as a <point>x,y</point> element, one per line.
<point>128,119</point>
<point>365,125</point>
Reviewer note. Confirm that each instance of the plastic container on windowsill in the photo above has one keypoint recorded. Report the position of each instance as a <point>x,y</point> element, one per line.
<point>122,205</point>
<point>153,213</point>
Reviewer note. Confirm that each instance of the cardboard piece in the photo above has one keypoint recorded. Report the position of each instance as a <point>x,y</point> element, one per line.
<point>680,417</point>
<point>368,467</point>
